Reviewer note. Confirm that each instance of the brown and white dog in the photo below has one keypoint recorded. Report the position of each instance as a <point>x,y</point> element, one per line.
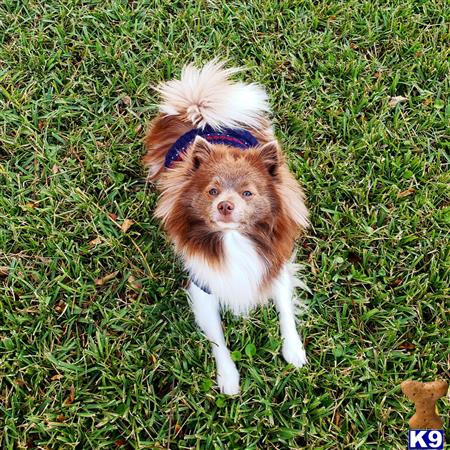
<point>229,204</point>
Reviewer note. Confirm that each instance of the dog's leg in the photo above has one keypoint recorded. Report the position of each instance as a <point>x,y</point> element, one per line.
<point>283,292</point>
<point>206,309</point>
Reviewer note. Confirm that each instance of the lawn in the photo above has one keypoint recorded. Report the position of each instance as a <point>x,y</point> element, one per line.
<point>98,347</point>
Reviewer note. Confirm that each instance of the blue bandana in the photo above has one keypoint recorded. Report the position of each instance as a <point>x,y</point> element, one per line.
<point>238,138</point>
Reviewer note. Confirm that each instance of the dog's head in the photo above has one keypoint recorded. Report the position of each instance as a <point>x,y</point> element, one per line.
<point>216,188</point>
<point>231,188</point>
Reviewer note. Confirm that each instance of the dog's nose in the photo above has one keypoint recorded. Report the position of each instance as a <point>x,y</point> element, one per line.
<point>225,208</point>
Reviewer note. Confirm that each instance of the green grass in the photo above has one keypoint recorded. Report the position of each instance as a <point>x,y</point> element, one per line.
<point>122,365</point>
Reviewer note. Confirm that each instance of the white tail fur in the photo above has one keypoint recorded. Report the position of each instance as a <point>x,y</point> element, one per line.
<point>206,96</point>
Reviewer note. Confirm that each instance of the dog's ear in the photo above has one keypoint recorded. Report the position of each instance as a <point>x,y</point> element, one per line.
<point>270,155</point>
<point>201,151</point>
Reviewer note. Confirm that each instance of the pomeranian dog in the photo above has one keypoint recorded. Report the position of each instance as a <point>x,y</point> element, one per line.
<point>228,203</point>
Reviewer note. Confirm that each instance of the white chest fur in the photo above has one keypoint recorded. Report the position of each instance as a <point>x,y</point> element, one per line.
<point>237,282</point>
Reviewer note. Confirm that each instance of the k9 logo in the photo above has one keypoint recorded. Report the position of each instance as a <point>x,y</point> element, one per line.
<point>426,439</point>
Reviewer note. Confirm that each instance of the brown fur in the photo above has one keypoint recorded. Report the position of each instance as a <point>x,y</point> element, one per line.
<point>162,134</point>
<point>276,214</point>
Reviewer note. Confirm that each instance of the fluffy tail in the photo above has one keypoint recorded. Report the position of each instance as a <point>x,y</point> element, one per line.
<point>206,96</point>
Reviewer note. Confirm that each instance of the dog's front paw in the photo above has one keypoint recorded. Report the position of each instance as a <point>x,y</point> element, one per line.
<point>294,353</point>
<point>228,380</point>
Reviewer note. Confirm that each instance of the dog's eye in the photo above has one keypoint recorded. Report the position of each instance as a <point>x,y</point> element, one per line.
<point>213,191</point>
<point>247,194</point>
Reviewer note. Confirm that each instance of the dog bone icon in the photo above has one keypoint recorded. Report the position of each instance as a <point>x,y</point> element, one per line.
<point>424,396</point>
